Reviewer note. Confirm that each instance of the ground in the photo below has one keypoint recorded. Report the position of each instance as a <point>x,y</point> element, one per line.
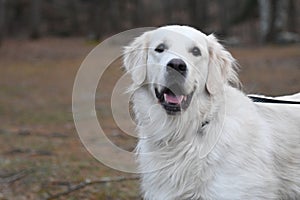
<point>38,141</point>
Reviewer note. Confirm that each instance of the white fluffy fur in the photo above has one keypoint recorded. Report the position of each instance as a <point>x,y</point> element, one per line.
<point>247,151</point>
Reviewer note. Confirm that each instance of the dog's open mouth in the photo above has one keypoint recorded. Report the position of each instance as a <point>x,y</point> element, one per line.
<point>173,103</point>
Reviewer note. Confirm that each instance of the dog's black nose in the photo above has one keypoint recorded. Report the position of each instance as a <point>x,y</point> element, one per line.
<point>178,65</point>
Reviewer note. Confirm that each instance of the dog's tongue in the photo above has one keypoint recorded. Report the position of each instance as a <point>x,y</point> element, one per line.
<point>173,99</point>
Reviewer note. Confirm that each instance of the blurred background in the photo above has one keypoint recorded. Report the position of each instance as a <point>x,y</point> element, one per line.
<point>42,44</point>
<point>242,20</point>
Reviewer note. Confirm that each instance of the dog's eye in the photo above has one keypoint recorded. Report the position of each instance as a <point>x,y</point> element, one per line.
<point>160,48</point>
<point>196,51</point>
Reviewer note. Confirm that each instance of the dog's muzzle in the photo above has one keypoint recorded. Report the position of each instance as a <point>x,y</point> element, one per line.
<point>178,66</point>
<point>173,99</point>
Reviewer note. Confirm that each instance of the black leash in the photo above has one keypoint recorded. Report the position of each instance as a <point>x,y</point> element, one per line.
<point>258,100</point>
<point>268,100</point>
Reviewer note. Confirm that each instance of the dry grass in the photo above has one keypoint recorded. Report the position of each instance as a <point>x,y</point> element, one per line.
<point>37,131</point>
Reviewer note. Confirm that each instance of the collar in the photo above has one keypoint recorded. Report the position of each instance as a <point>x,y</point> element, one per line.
<point>200,129</point>
<point>204,123</point>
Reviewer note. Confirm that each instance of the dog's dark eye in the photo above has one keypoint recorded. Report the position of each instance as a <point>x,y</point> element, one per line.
<point>160,48</point>
<point>196,51</point>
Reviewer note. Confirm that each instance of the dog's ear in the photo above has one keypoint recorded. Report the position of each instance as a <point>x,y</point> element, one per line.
<point>135,58</point>
<point>221,68</point>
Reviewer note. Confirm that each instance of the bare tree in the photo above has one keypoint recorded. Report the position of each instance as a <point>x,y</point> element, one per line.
<point>96,15</point>
<point>273,18</point>
<point>115,15</point>
<point>35,19</point>
<point>198,13</point>
<point>2,19</point>
<point>225,15</point>
<point>292,18</point>
<point>265,19</point>
<point>281,15</point>
<point>73,9</point>
<point>136,14</point>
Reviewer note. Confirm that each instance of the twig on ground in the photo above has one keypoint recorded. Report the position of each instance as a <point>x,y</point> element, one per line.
<point>88,182</point>
<point>14,177</point>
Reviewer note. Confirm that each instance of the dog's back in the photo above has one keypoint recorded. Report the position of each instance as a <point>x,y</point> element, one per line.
<point>284,121</point>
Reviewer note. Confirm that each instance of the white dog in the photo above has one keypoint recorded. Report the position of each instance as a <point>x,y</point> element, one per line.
<point>200,137</point>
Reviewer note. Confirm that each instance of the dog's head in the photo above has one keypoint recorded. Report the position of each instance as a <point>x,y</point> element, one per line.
<point>179,63</point>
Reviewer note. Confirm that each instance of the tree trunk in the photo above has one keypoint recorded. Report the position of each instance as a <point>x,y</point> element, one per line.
<point>35,19</point>
<point>97,12</point>
<point>2,19</point>
<point>114,14</point>
<point>74,6</point>
<point>225,15</point>
<point>292,18</point>
<point>137,15</point>
<point>198,13</point>
<point>281,15</point>
<point>273,18</point>
<point>265,19</point>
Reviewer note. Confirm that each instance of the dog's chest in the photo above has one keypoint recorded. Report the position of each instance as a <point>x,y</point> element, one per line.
<point>181,175</point>
<point>184,174</point>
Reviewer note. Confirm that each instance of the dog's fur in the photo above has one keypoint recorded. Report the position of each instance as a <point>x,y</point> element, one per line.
<point>246,150</point>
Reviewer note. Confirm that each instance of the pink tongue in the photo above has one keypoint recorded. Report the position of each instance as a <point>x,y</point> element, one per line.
<point>173,99</point>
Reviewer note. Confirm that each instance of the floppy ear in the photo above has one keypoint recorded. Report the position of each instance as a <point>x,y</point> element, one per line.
<point>135,59</point>
<point>221,68</point>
